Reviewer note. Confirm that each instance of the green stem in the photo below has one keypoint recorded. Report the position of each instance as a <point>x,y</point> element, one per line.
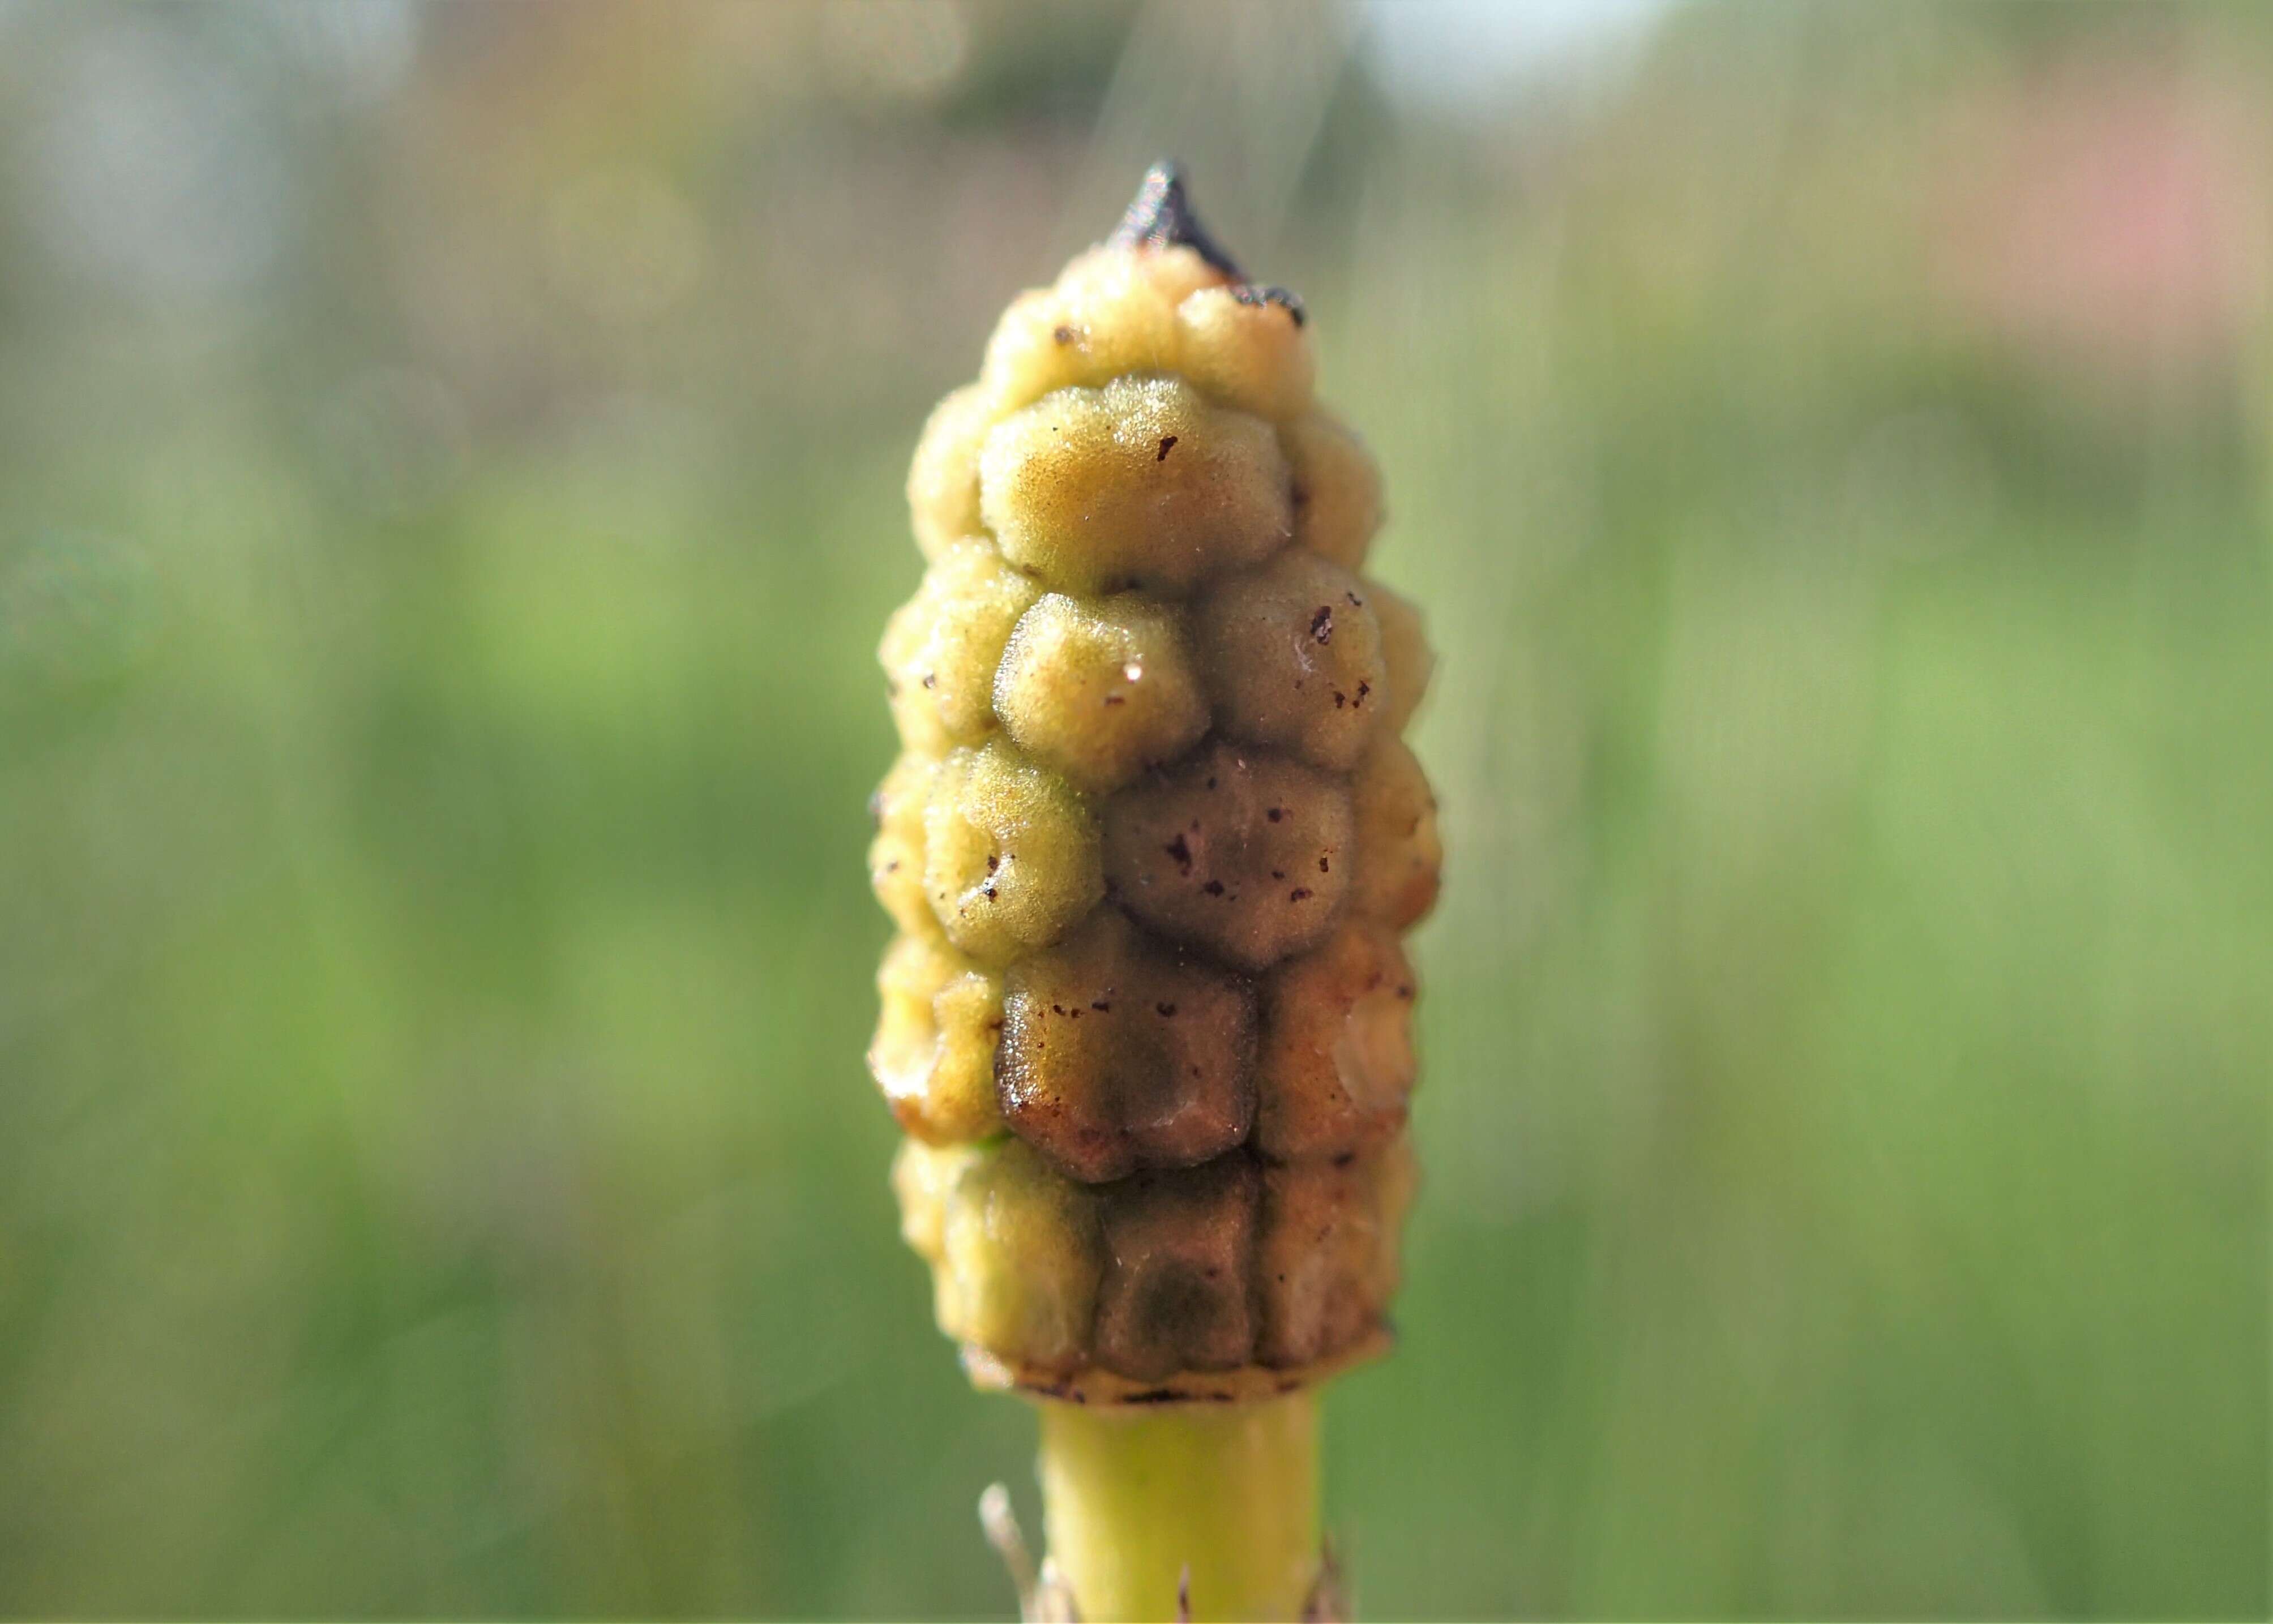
<point>1132,1497</point>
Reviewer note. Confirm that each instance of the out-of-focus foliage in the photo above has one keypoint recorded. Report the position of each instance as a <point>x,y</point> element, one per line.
<point>450,466</point>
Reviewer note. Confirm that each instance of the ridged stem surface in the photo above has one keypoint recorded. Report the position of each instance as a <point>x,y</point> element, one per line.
<point>1132,1496</point>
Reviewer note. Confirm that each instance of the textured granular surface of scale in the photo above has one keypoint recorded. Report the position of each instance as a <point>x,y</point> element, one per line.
<point>1150,844</point>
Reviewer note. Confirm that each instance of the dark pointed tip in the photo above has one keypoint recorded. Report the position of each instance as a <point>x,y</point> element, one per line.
<point>1162,216</point>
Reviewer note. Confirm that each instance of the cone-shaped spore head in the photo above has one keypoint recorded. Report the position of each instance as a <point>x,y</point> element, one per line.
<point>1150,845</point>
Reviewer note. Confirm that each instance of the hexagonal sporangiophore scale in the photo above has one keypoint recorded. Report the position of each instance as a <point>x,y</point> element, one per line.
<point>1150,845</point>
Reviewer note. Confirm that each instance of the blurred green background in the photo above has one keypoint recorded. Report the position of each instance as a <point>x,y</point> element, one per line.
<point>450,465</point>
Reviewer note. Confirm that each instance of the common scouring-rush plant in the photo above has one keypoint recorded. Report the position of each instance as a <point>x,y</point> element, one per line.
<point>1150,845</point>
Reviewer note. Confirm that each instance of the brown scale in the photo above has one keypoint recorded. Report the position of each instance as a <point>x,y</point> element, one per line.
<point>1119,1052</point>
<point>1239,851</point>
<point>1150,844</point>
<point>1178,1288</point>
